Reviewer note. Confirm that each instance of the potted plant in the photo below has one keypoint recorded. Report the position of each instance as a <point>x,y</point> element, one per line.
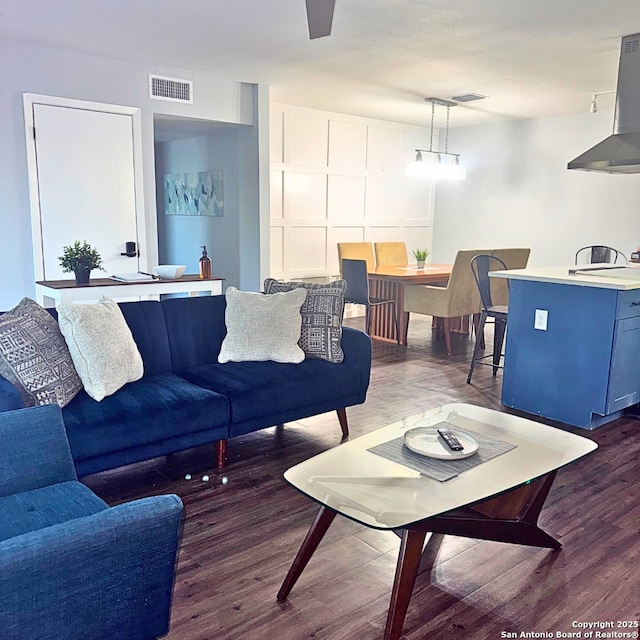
<point>80,258</point>
<point>420,255</point>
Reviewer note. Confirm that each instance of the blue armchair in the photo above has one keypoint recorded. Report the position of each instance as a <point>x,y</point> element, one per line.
<point>71,567</point>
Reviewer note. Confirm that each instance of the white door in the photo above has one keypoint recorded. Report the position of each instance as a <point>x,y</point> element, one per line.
<point>85,187</point>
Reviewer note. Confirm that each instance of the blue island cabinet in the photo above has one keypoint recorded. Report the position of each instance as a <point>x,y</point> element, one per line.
<point>585,367</point>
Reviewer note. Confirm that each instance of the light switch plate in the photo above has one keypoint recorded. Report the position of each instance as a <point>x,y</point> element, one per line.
<point>540,321</point>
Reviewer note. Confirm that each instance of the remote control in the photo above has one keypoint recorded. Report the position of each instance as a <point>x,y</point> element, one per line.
<point>452,442</point>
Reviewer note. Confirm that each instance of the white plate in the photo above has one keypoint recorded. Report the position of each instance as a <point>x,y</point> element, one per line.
<point>427,442</point>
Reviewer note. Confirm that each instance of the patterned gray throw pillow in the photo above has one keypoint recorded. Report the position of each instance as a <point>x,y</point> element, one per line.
<point>321,312</point>
<point>34,356</point>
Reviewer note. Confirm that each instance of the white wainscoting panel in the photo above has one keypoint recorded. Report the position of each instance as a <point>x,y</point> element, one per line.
<point>340,178</point>
<point>384,147</point>
<point>276,133</point>
<point>383,234</point>
<point>345,198</point>
<point>381,201</point>
<point>347,146</point>
<point>307,251</point>
<point>414,198</point>
<point>275,187</point>
<point>305,195</point>
<point>306,139</point>
<point>416,238</point>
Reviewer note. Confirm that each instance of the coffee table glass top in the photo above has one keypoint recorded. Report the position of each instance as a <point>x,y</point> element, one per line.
<point>382,494</point>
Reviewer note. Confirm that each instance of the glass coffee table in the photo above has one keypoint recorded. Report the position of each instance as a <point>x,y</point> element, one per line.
<point>487,495</point>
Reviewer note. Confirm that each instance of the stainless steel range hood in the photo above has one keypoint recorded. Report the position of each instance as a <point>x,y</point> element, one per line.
<point>620,152</point>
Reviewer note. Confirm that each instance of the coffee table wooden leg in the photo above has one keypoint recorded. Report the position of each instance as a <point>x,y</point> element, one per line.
<point>314,536</point>
<point>406,572</point>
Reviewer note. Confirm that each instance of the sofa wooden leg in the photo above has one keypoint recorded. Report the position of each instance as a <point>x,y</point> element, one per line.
<point>221,448</point>
<point>342,417</point>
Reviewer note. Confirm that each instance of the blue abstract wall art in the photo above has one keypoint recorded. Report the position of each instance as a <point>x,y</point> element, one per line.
<point>194,194</point>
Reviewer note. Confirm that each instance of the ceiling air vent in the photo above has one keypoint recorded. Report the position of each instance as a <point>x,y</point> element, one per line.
<point>631,46</point>
<point>162,88</point>
<point>468,97</point>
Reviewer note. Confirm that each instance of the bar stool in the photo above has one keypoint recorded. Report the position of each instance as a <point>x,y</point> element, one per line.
<point>480,267</point>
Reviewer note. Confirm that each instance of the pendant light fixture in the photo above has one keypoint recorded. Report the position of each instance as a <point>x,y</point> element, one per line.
<point>440,165</point>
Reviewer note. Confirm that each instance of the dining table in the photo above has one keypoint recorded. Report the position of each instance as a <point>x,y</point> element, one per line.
<point>388,282</point>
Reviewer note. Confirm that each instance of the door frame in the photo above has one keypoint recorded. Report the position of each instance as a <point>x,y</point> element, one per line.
<point>29,101</point>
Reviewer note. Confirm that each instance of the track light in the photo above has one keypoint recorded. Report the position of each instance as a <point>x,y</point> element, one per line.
<point>442,165</point>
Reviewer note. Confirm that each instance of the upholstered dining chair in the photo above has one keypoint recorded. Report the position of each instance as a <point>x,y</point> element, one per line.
<point>356,251</point>
<point>481,265</point>
<point>393,254</point>
<point>597,253</point>
<point>459,298</point>
<point>356,274</point>
<point>514,258</point>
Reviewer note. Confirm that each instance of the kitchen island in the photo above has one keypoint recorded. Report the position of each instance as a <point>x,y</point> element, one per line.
<point>573,342</point>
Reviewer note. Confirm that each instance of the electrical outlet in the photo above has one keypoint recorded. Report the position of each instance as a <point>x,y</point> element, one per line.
<point>540,320</point>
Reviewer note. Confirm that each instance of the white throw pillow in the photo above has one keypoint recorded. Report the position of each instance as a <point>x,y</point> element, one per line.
<point>261,327</point>
<point>101,346</point>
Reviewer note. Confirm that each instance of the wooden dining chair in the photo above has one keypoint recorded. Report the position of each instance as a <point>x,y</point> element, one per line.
<point>459,298</point>
<point>393,254</point>
<point>356,251</point>
<point>355,272</point>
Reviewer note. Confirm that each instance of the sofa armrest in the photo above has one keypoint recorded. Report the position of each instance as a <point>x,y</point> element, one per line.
<point>10,398</point>
<point>356,346</point>
<point>34,450</point>
<point>108,575</point>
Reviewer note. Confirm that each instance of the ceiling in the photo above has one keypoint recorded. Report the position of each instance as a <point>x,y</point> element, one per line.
<point>382,59</point>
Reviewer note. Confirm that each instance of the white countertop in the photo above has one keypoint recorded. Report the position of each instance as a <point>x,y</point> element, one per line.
<point>620,277</point>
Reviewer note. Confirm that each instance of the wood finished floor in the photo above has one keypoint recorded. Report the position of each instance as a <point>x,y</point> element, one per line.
<point>240,537</point>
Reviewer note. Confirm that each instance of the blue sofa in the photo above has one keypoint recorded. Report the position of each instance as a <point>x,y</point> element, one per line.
<point>71,566</point>
<point>186,398</point>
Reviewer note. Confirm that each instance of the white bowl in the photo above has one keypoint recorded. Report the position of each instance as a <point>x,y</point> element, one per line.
<point>169,271</point>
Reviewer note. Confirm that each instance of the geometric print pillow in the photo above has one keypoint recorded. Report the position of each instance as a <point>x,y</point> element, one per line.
<point>321,312</point>
<point>34,356</point>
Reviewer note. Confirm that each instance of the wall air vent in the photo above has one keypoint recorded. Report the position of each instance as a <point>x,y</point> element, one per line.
<point>172,89</point>
<point>468,97</point>
<point>631,46</point>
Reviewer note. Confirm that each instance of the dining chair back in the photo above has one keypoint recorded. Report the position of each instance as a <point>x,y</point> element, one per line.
<point>597,253</point>
<point>356,274</point>
<point>481,265</point>
<point>514,258</point>
<point>356,251</point>
<point>392,254</point>
<point>459,298</point>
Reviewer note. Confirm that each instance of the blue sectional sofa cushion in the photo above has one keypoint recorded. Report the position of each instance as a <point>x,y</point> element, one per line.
<point>259,389</point>
<point>151,410</point>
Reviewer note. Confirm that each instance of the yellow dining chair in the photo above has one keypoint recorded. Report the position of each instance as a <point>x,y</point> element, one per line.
<point>356,251</point>
<point>393,254</point>
<point>459,298</point>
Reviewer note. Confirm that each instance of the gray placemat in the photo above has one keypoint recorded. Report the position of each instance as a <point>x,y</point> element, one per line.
<point>442,470</point>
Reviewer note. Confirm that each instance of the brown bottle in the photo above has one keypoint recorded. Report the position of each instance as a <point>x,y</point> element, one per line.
<point>205,265</point>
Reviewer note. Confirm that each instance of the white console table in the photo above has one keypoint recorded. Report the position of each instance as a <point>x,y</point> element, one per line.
<point>50,293</point>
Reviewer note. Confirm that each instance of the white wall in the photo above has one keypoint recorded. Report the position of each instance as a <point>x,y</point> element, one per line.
<point>35,69</point>
<point>340,178</point>
<point>518,192</point>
